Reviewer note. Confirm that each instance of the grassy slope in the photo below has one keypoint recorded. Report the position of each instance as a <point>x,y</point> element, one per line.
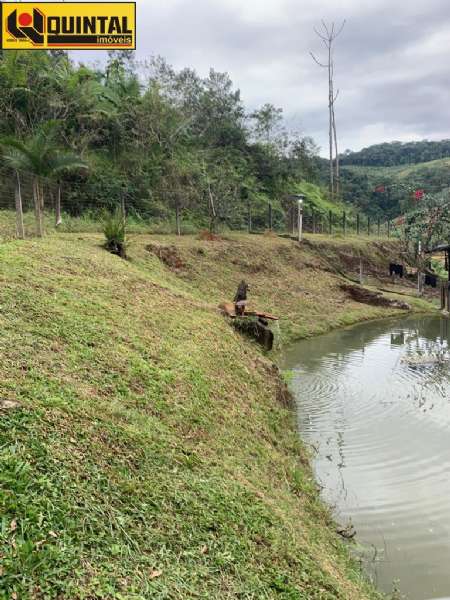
<point>150,455</point>
<point>316,198</point>
<point>402,172</point>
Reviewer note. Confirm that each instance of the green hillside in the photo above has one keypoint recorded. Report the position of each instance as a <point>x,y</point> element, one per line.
<point>360,182</point>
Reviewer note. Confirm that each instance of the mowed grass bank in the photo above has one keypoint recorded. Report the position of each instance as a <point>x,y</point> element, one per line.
<point>145,447</point>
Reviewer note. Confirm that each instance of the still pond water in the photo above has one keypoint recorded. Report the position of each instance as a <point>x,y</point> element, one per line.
<point>374,403</point>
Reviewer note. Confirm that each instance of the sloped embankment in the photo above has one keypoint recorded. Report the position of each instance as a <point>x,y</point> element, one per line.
<point>145,447</point>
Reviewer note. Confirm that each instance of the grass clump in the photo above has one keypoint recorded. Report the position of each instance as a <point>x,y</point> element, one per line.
<point>114,226</point>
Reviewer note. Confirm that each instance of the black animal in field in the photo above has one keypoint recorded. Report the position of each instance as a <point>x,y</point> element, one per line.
<point>431,280</point>
<point>395,269</point>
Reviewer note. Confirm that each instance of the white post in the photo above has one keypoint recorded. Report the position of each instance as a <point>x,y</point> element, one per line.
<point>300,219</point>
<point>419,273</point>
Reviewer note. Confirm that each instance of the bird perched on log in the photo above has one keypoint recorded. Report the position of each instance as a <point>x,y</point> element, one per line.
<point>240,298</point>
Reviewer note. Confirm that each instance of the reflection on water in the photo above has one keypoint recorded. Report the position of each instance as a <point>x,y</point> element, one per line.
<point>374,400</point>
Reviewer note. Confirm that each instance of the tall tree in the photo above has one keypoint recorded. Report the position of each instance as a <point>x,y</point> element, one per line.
<point>328,34</point>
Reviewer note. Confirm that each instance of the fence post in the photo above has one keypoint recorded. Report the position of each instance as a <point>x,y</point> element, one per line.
<point>313,214</point>
<point>58,217</point>
<point>357,224</point>
<point>378,226</point>
<point>448,282</point>
<point>330,218</point>
<point>177,219</point>
<point>19,210</point>
<point>344,223</point>
<point>249,216</point>
<point>389,228</point>
<point>368,225</point>
<point>270,216</point>
<point>37,208</point>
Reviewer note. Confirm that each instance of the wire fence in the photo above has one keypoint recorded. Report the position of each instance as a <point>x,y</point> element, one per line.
<point>28,209</point>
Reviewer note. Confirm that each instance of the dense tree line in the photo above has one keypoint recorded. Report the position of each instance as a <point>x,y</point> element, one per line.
<point>161,141</point>
<point>397,153</point>
<point>382,180</point>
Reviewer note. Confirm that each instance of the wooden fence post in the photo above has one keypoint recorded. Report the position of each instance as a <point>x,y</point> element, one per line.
<point>379,224</point>
<point>368,225</point>
<point>330,217</point>
<point>178,219</point>
<point>270,216</point>
<point>357,224</point>
<point>19,210</point>
<point>58,216</point>
<point>389,228</point>
<point>344,223</point>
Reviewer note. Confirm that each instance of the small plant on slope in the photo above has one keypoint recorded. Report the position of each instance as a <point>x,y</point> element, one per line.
<point>114,228</point>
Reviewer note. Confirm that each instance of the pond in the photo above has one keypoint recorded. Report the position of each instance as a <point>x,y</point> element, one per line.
<point>374,404</point>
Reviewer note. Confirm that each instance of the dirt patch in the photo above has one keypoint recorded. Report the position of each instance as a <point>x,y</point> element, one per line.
<point>207,236</point>
<point>8,405</point>
<point>282,392</point>
<point>365,296</point>
<point>169,255</point>
<point>249,266</point>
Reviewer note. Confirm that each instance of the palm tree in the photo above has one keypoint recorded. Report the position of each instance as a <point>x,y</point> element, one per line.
<point>40,156</point>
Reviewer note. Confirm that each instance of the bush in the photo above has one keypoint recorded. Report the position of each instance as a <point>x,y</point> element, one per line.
<point>114,228</point>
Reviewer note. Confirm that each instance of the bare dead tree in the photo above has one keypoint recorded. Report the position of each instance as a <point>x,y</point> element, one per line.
<point>328,34</point>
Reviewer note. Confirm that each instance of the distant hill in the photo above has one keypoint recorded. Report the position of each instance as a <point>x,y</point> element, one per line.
<point>387,191</point>
<point>391,154</point>
<point>381,179</point>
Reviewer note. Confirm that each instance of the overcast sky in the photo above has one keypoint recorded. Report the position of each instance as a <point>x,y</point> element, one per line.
<point>392,60</point>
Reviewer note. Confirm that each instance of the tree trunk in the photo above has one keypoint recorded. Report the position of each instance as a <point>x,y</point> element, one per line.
<point>330,117</point>
<point>177,218</point>
<point>337,173</point>
<point>19,210</point>
<point>38,198</point>
<point>212,209</point>
<point>58,219</point>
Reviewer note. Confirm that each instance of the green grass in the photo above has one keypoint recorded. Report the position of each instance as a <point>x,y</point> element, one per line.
<point>149,455</point>
<point>316,198</point>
